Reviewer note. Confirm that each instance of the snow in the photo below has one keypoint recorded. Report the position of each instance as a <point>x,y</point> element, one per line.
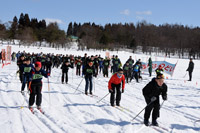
<point>66,111</point>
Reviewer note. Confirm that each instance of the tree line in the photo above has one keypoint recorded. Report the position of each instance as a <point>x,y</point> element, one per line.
<point>170,39</point>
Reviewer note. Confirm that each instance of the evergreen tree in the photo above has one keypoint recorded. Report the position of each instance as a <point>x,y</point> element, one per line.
<point>26,20</point>
<point>70,29</point>
<point>34,23</point>
<point>13,28</point>
<point>104,39</point>
<point>75,29</point>
<point>21,21</point>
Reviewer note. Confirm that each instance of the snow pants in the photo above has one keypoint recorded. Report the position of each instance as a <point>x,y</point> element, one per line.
<point>155,106</point>
<point>35,90</point>
<point>115,88</point>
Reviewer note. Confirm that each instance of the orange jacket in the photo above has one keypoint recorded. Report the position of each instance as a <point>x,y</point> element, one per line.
<point>115,80</point>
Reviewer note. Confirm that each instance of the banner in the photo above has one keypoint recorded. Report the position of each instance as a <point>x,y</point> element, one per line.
<point>168,67</point>
<point>108,54</point>
<point>3,54</point>
<point>8,53</point>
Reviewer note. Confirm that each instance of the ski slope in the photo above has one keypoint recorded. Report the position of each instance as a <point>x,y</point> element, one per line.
<point>67,112</point>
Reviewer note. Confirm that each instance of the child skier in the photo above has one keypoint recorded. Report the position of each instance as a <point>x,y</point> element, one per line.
<point>36,86</point>
<point>26,68</point>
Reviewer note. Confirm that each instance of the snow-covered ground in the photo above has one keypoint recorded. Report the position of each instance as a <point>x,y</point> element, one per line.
<point>66,111</point>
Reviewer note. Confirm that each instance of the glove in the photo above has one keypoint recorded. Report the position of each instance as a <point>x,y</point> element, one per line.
<point>153,99</point>
<point>110,90</point>
<point>48,74</point>
<point>122,90</point>
<point>164,97</point>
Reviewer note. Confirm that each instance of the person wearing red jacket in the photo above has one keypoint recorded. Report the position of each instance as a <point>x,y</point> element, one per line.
<point>114,84</point>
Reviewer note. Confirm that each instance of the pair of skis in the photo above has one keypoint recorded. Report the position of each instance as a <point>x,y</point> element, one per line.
<point>33,110</point>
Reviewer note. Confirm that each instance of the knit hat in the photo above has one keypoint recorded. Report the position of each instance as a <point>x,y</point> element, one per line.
<point>38,64</point>
<point>160,76</point>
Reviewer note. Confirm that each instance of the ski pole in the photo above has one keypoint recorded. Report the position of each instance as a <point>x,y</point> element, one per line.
<point>78,86</point>
<point>72,74</point>
<point>142,110</point>
<point>94,84</point>
<point>162,104</point>
<point>49,92</point>
<point>185,75</point>
<point>22,106</point>
<point>103,97</point>
<point>29,86</point>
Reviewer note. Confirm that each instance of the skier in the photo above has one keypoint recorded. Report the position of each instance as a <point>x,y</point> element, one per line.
<point>26,68</point>
<point>116,64</point>
<point>96,65</point>
<point>48,65</point>
<point>20,62</point>
<point>65,67</point>
<point>89,72</point>
<point>151,94</point>
<point>135,72</point>
<point>78,66</point>
<point>150,66</point>
<point>36,86</point>
<point>130,61</point>
<point>159,70</point>
<point>84,60</point>
<point>111,64</point>
<point>106,64</point>
<point>101,64</point>
<point>127,71</point>
<point>139,63</point>
<point>114,85</point>
<point>190,69</point>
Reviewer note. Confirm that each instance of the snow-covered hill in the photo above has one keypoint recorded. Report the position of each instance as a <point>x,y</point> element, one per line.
<point>66,111</point>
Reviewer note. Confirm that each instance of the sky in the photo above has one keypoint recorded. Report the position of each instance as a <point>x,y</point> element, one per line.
<point>185,12</point>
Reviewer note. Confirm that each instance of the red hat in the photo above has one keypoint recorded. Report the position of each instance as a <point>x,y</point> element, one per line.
<point>38,64</point>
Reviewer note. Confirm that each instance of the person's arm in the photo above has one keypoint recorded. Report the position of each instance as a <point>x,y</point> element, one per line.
<point>110,82</point>
<point>164,91</point>
<point>123,82</point>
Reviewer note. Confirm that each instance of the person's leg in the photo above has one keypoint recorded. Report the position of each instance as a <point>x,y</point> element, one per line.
<point>118,97</point>
<point>91,85</point>
<point>32,95</point>
<point>112,96</point>
<point>86,85</point>
<point>62,79</point>
<point>39,95</point>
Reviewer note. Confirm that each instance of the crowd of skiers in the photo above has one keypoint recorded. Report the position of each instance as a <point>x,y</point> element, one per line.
<point>89,67</point>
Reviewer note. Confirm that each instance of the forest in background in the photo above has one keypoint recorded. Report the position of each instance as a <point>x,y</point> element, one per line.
<point>170,39</point>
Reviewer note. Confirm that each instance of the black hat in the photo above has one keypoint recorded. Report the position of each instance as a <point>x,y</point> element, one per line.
<point>28,59</point>
<point>120,70</point>
<point>160,76</point>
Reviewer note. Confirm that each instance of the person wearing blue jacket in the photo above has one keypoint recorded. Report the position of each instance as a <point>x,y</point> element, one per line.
<point>26,68</point>
<point>36,86</point>
<point>136,70</point>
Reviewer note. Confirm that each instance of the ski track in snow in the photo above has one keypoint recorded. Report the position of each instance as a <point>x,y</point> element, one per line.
<point>66,111</point>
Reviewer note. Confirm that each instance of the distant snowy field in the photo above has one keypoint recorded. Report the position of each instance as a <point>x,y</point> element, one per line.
<point>66,111</point>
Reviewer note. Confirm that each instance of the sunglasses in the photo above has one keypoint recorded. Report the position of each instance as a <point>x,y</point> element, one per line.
<point>120,73</point>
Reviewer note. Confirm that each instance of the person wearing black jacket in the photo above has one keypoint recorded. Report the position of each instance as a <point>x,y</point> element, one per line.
<point>151,94</point>
<point>48,65</point>
<point>106,64</point>
<point>190,69</point>
<point>20,63</point>
<point>89,72</point>
<point>65,67</point>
